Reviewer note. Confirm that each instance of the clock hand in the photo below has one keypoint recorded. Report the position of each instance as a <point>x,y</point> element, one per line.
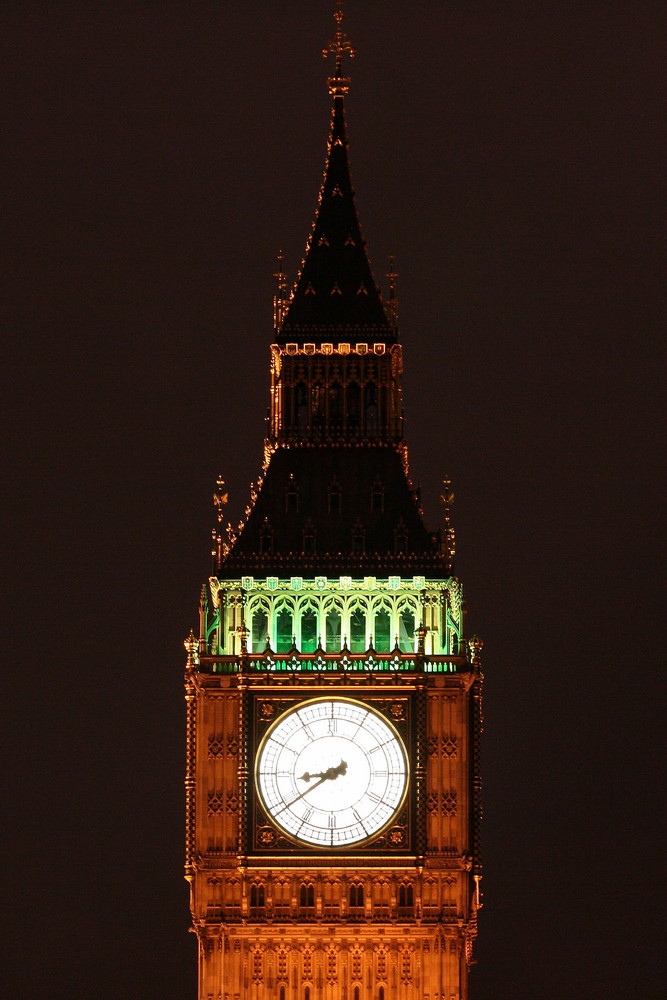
<point>305,792</point>
<point>330,774</point>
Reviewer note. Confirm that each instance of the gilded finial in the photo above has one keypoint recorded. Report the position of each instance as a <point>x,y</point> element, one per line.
<point>220,498</point>
<point>191,646</point>
<point>340,44</point>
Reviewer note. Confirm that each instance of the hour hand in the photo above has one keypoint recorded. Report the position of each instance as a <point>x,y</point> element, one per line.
<point>328,775</point>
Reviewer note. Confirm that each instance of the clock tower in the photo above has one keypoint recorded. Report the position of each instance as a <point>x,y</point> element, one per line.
<point>333,697</point>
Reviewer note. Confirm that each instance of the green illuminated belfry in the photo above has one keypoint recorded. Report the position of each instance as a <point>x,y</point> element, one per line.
<point>334,701</point>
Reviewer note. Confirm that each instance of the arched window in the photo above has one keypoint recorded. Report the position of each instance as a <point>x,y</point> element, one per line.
<point>291,497</point>
<point>308,542</point>
<point>266,539</point>
<point>358,631</point>
<point>382,627</point>
<point>377,499</point>
<point>281,896</point>
<point>334,497</point>
<point>356,896</point>
<point>284,630</point>
<point>260,630</point>
<point>333,630</point>
<point>405,896</point>
<point>400,539</point>
<point>306,993</point>
<point>317,406</point>
<point>430,896</point>
<point>358,540</point>
<point>406,635</point>
<point>308,631</point>
<point>256,895</point>
<point>356,993</point>
<point>381,993</point>
<point>307,895</point>
<point>282,993</point>
<point>330,905</point>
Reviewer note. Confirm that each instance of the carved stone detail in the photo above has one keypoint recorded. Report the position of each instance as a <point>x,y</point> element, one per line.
<point>442,746</point>
<point>449,803</point>
<point>215,803</point>
<point>266,836</point>
<point>332,966</point>
<point>216,746</point>
<point>406,965</point>
<point>443,802</point>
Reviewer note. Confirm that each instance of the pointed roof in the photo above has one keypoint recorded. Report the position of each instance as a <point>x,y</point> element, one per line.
<point>335,297</point>
<point>358,533</point>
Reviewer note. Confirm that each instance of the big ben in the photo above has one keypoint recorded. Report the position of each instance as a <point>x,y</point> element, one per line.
<point>333,695</point>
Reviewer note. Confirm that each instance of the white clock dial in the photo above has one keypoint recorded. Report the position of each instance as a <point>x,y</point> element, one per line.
<point>331,772</point>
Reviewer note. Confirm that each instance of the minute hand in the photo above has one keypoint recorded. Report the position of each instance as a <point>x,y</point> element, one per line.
<point>312,787</point>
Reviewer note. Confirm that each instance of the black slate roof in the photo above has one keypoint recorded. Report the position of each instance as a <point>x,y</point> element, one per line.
<point>335,298</point>
<point>296,523</point>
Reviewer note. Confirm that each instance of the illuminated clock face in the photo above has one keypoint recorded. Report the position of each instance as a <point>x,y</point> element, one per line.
<point>331,773</point>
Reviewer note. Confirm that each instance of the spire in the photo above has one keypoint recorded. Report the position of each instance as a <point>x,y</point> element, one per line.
<point>335,297</point>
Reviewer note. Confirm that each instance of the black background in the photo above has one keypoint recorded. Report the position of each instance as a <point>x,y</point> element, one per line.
<point>158,156</point>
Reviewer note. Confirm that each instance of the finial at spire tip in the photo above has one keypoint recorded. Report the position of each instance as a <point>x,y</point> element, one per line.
<point>340,44</point>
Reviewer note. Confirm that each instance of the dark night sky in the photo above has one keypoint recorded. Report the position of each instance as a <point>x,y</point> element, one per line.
<point>158,156</point>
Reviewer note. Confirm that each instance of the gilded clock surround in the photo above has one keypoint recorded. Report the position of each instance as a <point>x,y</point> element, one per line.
<point>394,835</point>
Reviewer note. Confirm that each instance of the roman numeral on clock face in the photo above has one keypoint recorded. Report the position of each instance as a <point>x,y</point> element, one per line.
<point>332,821</point>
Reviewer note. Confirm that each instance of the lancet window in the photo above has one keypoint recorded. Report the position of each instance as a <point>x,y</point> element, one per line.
<point>405,897</point>
<point>335,497</point>
<point>256,896</point>
<point>356,896</point>
<point>309,628</point>
<point>282,897</point>
<point>333,627</point>
<point>259,631</point>
<point>307,896</point>
<point>335,396</point>
<point>284,630</point>
<point>358,631</point>
<point>360,620</point>
<point>330,898</point>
